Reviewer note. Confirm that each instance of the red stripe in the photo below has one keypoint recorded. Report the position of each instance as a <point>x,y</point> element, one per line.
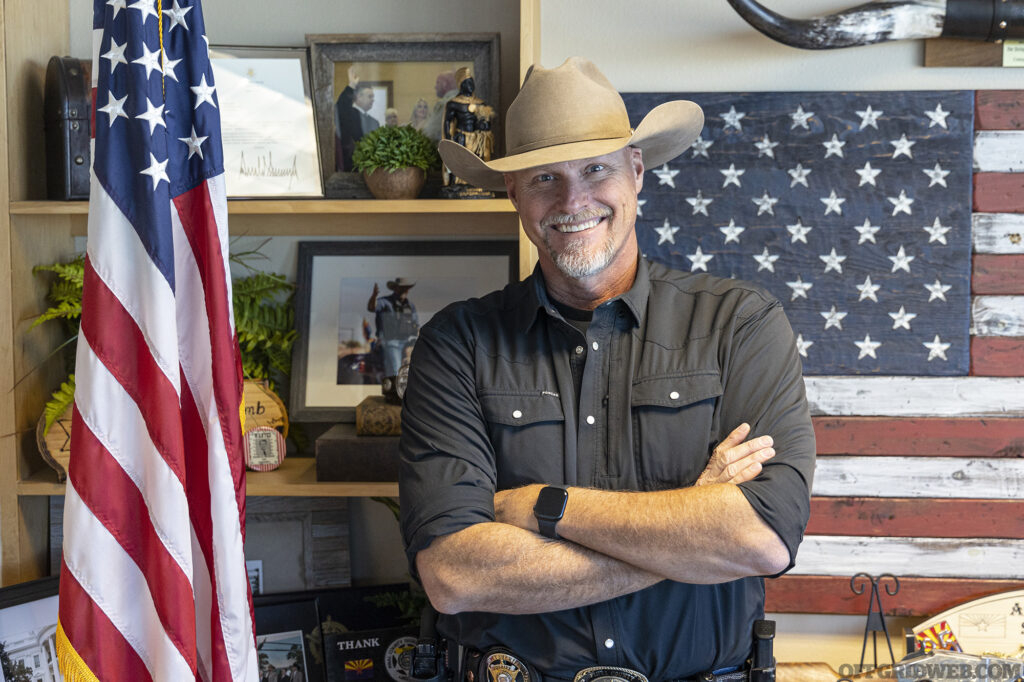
<point>999,192</point>
<point>997,274</point>
<point>923,518</point>
<point>117,503</point>
<point>969,437</point>
<point>917,596</point>
<point>116,340</point>
<point>100,645</point>
<point>997,356</point>
<point>999,110</point>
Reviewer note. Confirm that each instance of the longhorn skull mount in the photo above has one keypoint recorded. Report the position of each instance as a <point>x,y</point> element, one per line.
<point>888,20</point>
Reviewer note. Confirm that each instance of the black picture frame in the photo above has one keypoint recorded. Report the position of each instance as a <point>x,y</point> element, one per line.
<point>28,626</point>
<point>288,631</point>
<point>336,362</point>
<point>331,53</point>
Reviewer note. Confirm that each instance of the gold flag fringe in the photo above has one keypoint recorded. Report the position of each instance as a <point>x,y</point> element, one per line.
<point>71,665</point>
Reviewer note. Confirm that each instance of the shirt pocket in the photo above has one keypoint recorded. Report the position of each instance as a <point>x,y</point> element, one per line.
<point>672,420</point>
<point>527,432</point>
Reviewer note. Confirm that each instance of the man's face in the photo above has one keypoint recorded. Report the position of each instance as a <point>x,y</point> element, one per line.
<point>581,214</point>
<point>364,98</point>
<point>402,293</point>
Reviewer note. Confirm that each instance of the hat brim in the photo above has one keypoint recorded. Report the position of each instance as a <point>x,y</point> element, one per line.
<point>664,133</point>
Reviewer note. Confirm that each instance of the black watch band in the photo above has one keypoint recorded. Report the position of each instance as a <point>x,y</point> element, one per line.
<point>549,509</point>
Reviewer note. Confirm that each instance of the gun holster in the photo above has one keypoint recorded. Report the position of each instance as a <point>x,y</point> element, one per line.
<point>430,657</point>
<point>762,663</point>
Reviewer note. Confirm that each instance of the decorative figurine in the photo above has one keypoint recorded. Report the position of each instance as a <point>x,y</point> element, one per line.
<point>467,121</point>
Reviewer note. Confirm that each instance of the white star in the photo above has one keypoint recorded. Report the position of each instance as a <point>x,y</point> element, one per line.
<point>116,54</point>
<point>666,176</point>
<point>937,232</point>
<point>699,260</point>
<point>194,143</point>
<point>867,347</point>
<point>834,318</point>
<point>937,175</point>
<point>169,65</point>
<point>799,175</point>
<point>868,290</point>
<point>833,261</point>
<point>902,318</point>
<point>732,118</point>
<point>799,288</point>
<point>802,346</point>
<point>699,203</point>
<point>867,232</point>
<point>118,5</point>
<point>834,147</point>
<point>765,147</point>
<point>766,261</point>
<point>732,231</point>
<point>937,290</point>
<point>901,261</point>
<point>868,117</point>
<point>901,204</point>
<point>204,93</point>
<point>700,147</point>
<point>150,60</point>
<point>666,233</point>
<point>833,203</point>
<point>114,108</point>
<point>153,115</point>
<point>903,146</point>
<point>177,16</point>
<point>640,207</point>
<point>938,117</point>
<point>732,176</point>
<point>766,204</point>
<point>147,7</point>
<point>798,232</point>
<point>936,349</point>
<point>800,118</point>
<point>868,174</point>
<point>157,170</point>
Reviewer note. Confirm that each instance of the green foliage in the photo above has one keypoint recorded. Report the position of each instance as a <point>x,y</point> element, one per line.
<point>265,322</point>
<point>59,401</point>
<point>65,294</point>
<point>410,604</point>
<point>394,148</point>
<point>13,672</point>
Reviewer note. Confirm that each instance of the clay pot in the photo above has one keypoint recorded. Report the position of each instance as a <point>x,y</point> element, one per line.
<point>404,183</point>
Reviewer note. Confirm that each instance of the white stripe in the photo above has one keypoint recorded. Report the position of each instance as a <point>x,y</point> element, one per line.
<point>999,151</point>
<point>115,420</point>
<point>201,588</point>
<point>939,477</point>
<point>114,582</point>
<point>998,316</point>
<point>915,396</point>
<point>97,43</point>
<point>998,233</point>
<point>219,199</point>
<point>120,260</point>
<point>927,557</point>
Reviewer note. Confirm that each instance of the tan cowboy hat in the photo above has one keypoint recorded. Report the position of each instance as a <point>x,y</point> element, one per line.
<point>573,112</point>
<point>401,283</point>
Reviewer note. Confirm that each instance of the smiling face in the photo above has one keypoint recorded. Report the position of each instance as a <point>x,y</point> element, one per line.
<point>581,216</point>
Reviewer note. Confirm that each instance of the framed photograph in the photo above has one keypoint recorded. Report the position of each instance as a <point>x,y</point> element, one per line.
<point>267,124</point>
<point>288,637</point>
<point>420,68</point>
<point>359,306</point>
<point>28,630</point>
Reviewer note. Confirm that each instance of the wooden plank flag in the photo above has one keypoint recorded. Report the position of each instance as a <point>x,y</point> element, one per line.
<point>920,457</point>
<point>153,583</point>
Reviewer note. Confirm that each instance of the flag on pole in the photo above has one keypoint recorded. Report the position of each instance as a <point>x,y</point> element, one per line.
<point>153,583</point>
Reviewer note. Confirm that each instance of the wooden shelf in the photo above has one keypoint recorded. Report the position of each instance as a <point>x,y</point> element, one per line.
<point>296,477</point>
<point>301,206</point>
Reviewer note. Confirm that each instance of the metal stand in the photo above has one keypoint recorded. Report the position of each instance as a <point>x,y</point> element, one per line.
<point>876,617</point>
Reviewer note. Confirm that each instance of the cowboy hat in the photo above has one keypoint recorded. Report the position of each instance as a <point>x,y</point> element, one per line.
<point>401,283</point>
<point>573,112</point>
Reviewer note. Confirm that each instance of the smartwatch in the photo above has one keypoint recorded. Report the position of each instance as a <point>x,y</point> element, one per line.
<point>549,509</point>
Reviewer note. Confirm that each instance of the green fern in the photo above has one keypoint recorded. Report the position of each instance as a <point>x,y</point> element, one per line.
<point>59,401</point>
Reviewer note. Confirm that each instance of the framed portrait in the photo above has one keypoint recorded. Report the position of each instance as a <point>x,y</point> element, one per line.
<point>420,68</point>
<point>28,630</point>
<point>288,638</point>
<point>267,124</point>
<point>359,306</point>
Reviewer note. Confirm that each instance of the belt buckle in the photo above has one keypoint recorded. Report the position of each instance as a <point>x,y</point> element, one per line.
<point>604,673</point>
<point>501,666</point>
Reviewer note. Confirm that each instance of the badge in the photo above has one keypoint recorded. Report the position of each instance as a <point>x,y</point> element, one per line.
<point>502,666</point>
<point>398,658</point>
<point>609,674</point>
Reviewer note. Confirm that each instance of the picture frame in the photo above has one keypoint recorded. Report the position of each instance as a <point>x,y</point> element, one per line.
<point>28,628</point>
<point>339,357</point>
<point>288,633</point>
<point>414,63</point>
<point>267,125</point>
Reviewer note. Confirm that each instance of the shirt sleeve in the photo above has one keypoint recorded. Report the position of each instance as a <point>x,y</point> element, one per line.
<point>447,474</point>
<point>763,386</point>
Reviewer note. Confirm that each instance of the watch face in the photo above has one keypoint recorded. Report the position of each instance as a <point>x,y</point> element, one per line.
<point>551,503</point>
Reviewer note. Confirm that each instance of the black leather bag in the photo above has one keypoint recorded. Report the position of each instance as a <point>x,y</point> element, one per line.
<point>67,104</point>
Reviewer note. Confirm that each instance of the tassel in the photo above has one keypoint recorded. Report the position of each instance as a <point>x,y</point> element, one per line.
<point>71,665</point>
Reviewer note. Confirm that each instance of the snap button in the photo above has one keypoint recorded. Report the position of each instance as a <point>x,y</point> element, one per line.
<point>517,414</point>
<point>579,350</point>
<point>609,643</point>
<point>674,395</point>
<point>594,346</point>
<point>590,419</point>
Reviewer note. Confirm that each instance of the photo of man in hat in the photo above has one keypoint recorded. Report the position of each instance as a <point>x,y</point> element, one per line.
<point>600,463</point>
<point>396,320</point>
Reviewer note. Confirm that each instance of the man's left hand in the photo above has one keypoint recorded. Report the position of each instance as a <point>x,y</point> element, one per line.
<point>515,507</point>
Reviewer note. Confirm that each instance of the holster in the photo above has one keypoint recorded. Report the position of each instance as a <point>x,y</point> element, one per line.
<point>430,657</point>
<point>762,659</point>
<point>67,104</point>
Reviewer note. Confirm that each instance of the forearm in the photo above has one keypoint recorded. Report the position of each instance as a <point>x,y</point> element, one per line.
<point>499,568</point>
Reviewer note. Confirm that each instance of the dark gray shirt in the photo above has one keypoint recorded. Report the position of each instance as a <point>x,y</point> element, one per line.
<point>669,369</point>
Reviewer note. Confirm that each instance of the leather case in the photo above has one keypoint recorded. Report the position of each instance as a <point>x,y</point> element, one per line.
<point>67,105</point>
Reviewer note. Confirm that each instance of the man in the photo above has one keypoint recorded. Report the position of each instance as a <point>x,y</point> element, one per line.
<point>396,320</point>
<point>444,88</point>
<point>352,119</point>
<point>533,414</point>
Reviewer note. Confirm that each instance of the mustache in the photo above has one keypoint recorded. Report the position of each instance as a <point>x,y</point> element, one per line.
<point>579,217</point>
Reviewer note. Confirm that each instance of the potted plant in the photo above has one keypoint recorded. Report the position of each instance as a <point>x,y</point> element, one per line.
<point>394,161</point>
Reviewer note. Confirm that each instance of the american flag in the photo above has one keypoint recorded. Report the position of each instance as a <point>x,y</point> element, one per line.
<point>153,582</point>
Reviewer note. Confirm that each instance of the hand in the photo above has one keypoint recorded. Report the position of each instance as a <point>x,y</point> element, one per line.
<point>515,507</point>
<point>353,77</point>
<point>736,461</point>
<point>376,289</point>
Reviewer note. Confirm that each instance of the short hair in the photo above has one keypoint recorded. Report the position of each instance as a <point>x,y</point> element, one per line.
<point>363,86</point>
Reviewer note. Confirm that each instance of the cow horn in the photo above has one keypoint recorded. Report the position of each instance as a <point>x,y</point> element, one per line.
<point>887,20</point>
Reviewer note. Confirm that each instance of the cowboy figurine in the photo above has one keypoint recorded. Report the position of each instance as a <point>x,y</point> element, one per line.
<point>601,462</point>
<point>467,121</point>
<point>397,322</point>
